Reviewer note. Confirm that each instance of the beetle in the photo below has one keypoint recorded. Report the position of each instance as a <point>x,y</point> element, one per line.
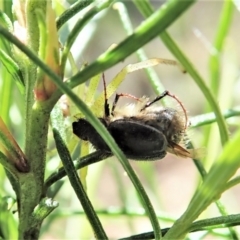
<point>142,131</point>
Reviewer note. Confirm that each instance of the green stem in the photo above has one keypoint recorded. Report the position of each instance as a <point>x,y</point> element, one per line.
<point>31,189</point>
<point>32,22</point>
<point>29,67</point>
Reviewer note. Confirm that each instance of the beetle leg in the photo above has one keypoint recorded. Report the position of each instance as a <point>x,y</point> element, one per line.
<point>106,104</point>
<point>118,95</point>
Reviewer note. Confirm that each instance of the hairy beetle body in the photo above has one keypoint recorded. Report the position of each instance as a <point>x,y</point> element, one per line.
<point>142,132</point>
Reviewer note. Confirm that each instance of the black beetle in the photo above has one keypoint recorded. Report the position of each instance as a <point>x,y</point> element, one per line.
<point>142,131</point>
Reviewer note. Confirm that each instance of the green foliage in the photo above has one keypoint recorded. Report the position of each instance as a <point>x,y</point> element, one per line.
<point>42,88</point>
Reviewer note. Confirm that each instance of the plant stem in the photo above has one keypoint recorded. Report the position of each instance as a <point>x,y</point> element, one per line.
<point>31,184</point>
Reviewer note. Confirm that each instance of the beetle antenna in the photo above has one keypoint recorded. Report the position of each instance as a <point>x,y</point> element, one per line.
<point>164,94</point>
<point>106,105</point>
<point>183,108</point>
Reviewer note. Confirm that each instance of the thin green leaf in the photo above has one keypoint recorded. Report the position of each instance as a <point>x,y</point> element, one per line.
<point>43,209</point>
<point>13,68</point>
<point>201,225</point>
<point>71,12</point>
<point>77,185</point>
<point>16,157</point>
<point>7,9</point>
<point>149,29</point>
<point>233,182</point>
<point>221,34</point>
<point>6,92</point>
<point>151,73</point>
<point>6,22</point>
<point>78,27</point>
<point>147,10</point>
<point>58,120</point>
<point>211,189</point>
<point>203,173</point>
<point>208,118</point>
<point>215,68</point>
<point>8,165</point>
<point>8,224</point>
